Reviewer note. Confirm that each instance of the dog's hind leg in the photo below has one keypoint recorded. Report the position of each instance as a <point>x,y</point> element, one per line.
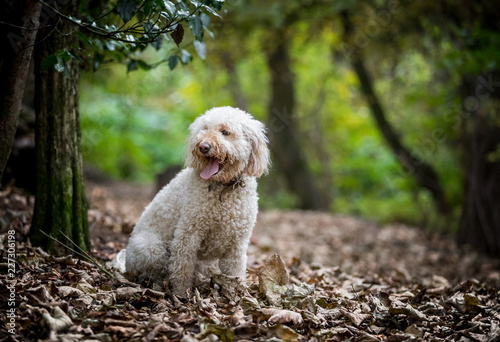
<point>147,256</point>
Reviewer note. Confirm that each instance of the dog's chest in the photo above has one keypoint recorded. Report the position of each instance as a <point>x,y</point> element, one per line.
<point>212,246</point>
<point>223,233</point>
<point>226,219</point>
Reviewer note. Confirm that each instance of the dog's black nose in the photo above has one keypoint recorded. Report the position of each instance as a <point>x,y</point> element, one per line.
<point>205,147</point>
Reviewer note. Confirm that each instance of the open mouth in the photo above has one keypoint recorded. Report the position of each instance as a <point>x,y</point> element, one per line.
<point>213,167</point>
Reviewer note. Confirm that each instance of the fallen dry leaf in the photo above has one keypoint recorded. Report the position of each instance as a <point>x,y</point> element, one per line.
<point>282,316</point>
<point>58,321</point>
<point>69,291</point>
<point>273,278</point>
<point>84,286</point>
<point>283,333</point>
<point>356,317</point>
<point>127,292</point>
<point>366,337</point>
<point>338,278</point>
<point>295,293</point>
<point>399,308</point>
<point>463,302</point>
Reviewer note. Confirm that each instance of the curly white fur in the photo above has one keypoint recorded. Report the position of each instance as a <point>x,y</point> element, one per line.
<point>194,219</point>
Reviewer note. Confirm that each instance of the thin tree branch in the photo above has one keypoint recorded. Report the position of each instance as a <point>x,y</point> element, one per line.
<point>93,28</point>
<point>23,27</point>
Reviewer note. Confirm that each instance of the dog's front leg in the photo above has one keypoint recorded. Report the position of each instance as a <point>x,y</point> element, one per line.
<point>234,262</point>
<point>184,249</point>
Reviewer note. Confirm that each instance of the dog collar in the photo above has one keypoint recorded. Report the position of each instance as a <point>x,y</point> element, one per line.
<point>232,184</point>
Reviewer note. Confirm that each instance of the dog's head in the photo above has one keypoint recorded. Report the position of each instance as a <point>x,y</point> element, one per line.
<point>225,143</point>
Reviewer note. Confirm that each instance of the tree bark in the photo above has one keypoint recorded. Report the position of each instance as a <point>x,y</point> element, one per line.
<point>479,225</point>
<point>287,150</point>
<point>18,44</point>
<point>60,203</point>
<point>424,173</point>
<point>234,83</point>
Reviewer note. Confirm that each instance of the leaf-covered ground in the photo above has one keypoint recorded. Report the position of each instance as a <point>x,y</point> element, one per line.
<point>312,277</point>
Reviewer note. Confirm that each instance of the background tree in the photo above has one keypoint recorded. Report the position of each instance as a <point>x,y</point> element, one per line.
<point>462,38</point>
<point>60,205</point>
<point>458,47</point>
<point>424,173</point>
<point>479,90</point>
<point>289,149</point>
<point>427,75</point>
<point>18,40</point>
<point>110,30</point>
<point>479,224</point>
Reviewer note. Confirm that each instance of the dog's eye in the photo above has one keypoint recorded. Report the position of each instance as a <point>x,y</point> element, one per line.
<point>224,132</point>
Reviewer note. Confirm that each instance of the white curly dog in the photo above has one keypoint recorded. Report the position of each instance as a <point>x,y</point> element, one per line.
<point>208,211</point>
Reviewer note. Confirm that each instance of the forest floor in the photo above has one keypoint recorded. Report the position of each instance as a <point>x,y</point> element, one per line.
<point>312,277</point>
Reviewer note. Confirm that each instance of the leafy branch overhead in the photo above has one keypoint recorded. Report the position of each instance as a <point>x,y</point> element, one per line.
<point>119,31</point>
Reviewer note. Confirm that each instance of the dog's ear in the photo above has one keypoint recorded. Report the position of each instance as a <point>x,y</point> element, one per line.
<point>194,129</point>
<point>259,160</point>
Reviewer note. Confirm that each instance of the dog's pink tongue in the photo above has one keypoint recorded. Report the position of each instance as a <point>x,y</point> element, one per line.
<point>211,169</point>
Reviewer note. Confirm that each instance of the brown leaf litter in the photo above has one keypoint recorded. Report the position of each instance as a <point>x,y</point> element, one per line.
<point>335,278</point>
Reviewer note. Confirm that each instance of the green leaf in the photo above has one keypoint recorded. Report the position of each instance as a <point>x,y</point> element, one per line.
<point>205,19</point>
<point>143,65</point>
<point>98,59</point>
<point>110,44</point>
<point>157,43</point>
<point>118,55</point>
<point>185,57</point>
<point>160,3</point>
<point>147,6</point>
<point>62,66</point>
<point>132,65</point>
<point>64,55</point>
<point>148,27</point>
<point>140,16</point>
<point>196,27</point>
<point>172,62</point>
<point>182,14</point>
<point>75,57</point>
<point>98,43</point>
<point>210,33</point>
<point>201,49</point>
<point>217,4</point>
<point>48,62</point>
<point>58,61</point>
<point>211,10</point>
<point>126,9</point>
<point>83,38</point>
<point>170,7</point>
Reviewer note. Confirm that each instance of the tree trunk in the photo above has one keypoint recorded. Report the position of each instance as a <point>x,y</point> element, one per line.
<point>287,150</point>
<point>60,203</point>
<point>18,44</point>
<point>479,224</point>
<point>234,83</point>
<point>424,173</point>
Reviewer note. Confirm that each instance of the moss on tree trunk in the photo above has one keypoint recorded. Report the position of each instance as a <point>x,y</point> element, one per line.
<point>60,203</point>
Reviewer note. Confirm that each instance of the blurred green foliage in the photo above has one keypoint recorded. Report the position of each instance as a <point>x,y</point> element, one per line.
<point>135,124</point>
